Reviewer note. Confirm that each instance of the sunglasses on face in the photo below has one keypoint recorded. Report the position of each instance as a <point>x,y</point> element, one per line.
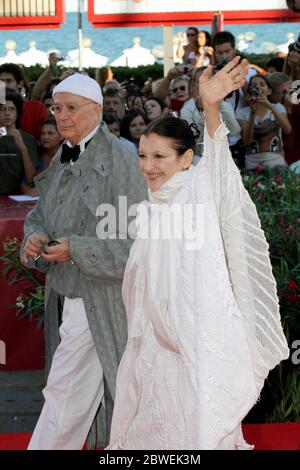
<point>191,34</point>
<point>179,88</point>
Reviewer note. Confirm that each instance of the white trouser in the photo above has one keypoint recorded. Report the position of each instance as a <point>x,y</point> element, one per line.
<point>74,388</point>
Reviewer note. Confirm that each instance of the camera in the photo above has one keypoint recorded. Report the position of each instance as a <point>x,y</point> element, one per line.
<point>295,46</point>
<point>253,93</point>
<point>130,86</point>
<point>185,68</point>
<point>59,57</point>
<point>220,65</point>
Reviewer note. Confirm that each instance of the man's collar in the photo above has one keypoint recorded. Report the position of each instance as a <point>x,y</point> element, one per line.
<point>85,139</point>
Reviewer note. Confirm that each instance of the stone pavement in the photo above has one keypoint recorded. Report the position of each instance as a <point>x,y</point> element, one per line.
<point>21,400</point>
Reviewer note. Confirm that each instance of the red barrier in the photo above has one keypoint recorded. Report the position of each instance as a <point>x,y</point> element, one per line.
<point>22,343</point>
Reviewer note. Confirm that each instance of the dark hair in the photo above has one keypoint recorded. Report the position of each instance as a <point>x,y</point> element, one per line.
<point>176,129</point>
<point>277,63</point>
<point>112,93</point>
<point>15,70</point>
<point>157,100</point>
<point>193,28</point>
<point>12,95</point>
<point>222,37</point>
<point>51,122</point>
<point>207,36</point>
<point>291,5</point>
<point>49,88</point>
<point>47,96</point>
<point>260,75</point>
<point>127,121</point>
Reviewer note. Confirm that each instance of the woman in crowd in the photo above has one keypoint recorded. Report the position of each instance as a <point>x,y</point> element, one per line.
<point>154,108</point>
<point>205,51</point>
<point>179,92</point>
<point>113,124</point>
<point>203,319</point>
<point>133,126</point>
<point>262,123</point>
<point>19,150</point>
<point>50,142</point>
<point>184,50</point>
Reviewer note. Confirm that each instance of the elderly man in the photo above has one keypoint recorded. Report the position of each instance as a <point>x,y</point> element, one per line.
<point>84,264</point>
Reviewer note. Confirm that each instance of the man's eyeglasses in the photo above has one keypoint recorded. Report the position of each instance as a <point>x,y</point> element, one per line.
<point>191,34</point>
<point>10,109</point>
<point>70,108</point>
<point>179,88</point>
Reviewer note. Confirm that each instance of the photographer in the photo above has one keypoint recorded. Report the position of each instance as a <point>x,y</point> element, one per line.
<point>164,88</point>
<point>19,150</point>
<point>292,62</point>
<point>50,73</point>
<point>262,123</point>
<point>33,112</point>
<point>184,50</point>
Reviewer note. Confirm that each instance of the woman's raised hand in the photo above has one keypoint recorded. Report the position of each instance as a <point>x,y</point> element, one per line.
<point>214,88</point>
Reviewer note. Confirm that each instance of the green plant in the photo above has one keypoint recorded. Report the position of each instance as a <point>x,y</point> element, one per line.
<point>30,302</point>
<point>276,194</point>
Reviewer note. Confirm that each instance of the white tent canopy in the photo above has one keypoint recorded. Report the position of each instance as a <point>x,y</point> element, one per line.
<point>11,56</point>
<point>89,57</point>
<point>134,56</point>
<point>33,56</point>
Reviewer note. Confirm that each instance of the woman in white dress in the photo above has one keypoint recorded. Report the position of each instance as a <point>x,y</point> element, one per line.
<point>203,319</point>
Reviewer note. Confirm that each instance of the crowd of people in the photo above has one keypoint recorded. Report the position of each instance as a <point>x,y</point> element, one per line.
<point>262,117</point>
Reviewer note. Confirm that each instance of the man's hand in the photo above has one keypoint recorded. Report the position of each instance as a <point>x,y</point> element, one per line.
<point>34,246</point>
<point>53,58</point>
<point>16,134</point>
<point>58,253</point>
<point>175,72</point>
<point>67,73</point>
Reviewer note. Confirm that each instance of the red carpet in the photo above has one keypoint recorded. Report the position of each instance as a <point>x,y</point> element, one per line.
<point>277,436</point>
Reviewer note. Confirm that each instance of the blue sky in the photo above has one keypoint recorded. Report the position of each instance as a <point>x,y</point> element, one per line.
<point>72,5</point>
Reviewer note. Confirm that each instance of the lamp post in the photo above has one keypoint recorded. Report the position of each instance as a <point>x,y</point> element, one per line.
<point>80,34</point>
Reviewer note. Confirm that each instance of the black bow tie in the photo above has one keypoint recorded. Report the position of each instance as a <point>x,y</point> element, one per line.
<point>71,153</point>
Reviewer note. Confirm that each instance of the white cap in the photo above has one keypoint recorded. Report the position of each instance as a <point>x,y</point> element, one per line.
<point>81,85</point>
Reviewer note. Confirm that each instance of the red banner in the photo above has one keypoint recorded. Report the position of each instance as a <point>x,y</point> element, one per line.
<point>31,15</point>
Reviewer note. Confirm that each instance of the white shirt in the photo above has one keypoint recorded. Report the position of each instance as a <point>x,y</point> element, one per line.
<point>83,141</point>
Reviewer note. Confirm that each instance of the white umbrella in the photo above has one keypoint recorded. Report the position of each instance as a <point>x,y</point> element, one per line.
<point>33,56</point>
<point>11,56</point>
<point>242,44</point>
<point>134,56</point>
<point>89,57</point>
<point>285,47</point>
